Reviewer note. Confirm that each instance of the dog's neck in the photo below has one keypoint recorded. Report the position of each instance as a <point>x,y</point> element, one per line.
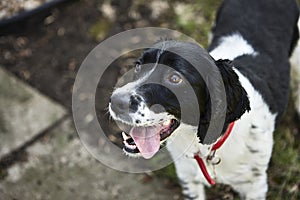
<point>203,127</point>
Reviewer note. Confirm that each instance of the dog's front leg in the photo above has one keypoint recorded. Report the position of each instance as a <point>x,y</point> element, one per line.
<point>188,174</point>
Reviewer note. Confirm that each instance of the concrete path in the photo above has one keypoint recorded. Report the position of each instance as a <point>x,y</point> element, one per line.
<point>24,113</point>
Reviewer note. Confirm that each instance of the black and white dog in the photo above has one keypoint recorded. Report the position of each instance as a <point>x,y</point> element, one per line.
<point>251,45</point>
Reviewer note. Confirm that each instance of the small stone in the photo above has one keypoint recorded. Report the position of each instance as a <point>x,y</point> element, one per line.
<point>61,31</point>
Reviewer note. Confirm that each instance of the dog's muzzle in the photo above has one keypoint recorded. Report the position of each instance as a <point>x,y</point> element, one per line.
<point>141,139</point>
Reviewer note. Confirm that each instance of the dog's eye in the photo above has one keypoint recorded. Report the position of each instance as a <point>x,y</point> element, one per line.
<point>175,78</point>
<point>137,67</point>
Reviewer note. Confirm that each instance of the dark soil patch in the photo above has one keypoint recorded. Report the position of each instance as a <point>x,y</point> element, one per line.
<point>48,55</point>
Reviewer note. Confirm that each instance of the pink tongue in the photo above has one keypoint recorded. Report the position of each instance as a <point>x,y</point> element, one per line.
<point>147,140</point>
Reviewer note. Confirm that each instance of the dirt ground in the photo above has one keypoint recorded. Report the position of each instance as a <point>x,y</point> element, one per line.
<point>47,55</point>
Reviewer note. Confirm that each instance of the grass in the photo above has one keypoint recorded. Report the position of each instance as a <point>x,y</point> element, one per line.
<point>201,14</point>
<point>284,171</point>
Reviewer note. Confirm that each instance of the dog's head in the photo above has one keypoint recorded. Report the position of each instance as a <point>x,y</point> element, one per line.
<point>149,101</point>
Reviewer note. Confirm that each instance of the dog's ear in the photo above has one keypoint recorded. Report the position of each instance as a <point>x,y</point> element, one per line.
<point>236,96</point>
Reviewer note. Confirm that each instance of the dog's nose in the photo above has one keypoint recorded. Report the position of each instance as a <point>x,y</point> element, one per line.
<point>120,103</point>
<point>134,103</point>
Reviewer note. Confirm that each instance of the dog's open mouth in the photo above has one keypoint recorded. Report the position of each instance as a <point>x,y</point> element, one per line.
<point>147,140</point>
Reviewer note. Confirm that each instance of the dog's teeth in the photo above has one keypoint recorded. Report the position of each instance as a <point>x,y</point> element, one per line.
<point>167,123</point>
<point>133,147</point>
<point>125,137</point>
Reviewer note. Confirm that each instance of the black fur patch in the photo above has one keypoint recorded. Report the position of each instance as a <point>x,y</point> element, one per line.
<point>187,58</point>
<point>273,37</point>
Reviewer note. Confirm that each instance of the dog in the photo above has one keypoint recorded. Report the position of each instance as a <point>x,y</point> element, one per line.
<point>250,48</point>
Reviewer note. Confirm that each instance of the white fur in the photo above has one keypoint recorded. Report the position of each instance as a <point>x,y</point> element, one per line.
<point>182,145</point>
<point>144,115</point>
<point>147,117</point>
<point>295,63</point>
<point>231,47</point>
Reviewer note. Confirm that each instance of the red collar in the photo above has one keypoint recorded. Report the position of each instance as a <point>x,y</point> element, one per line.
<point>215,147</point>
